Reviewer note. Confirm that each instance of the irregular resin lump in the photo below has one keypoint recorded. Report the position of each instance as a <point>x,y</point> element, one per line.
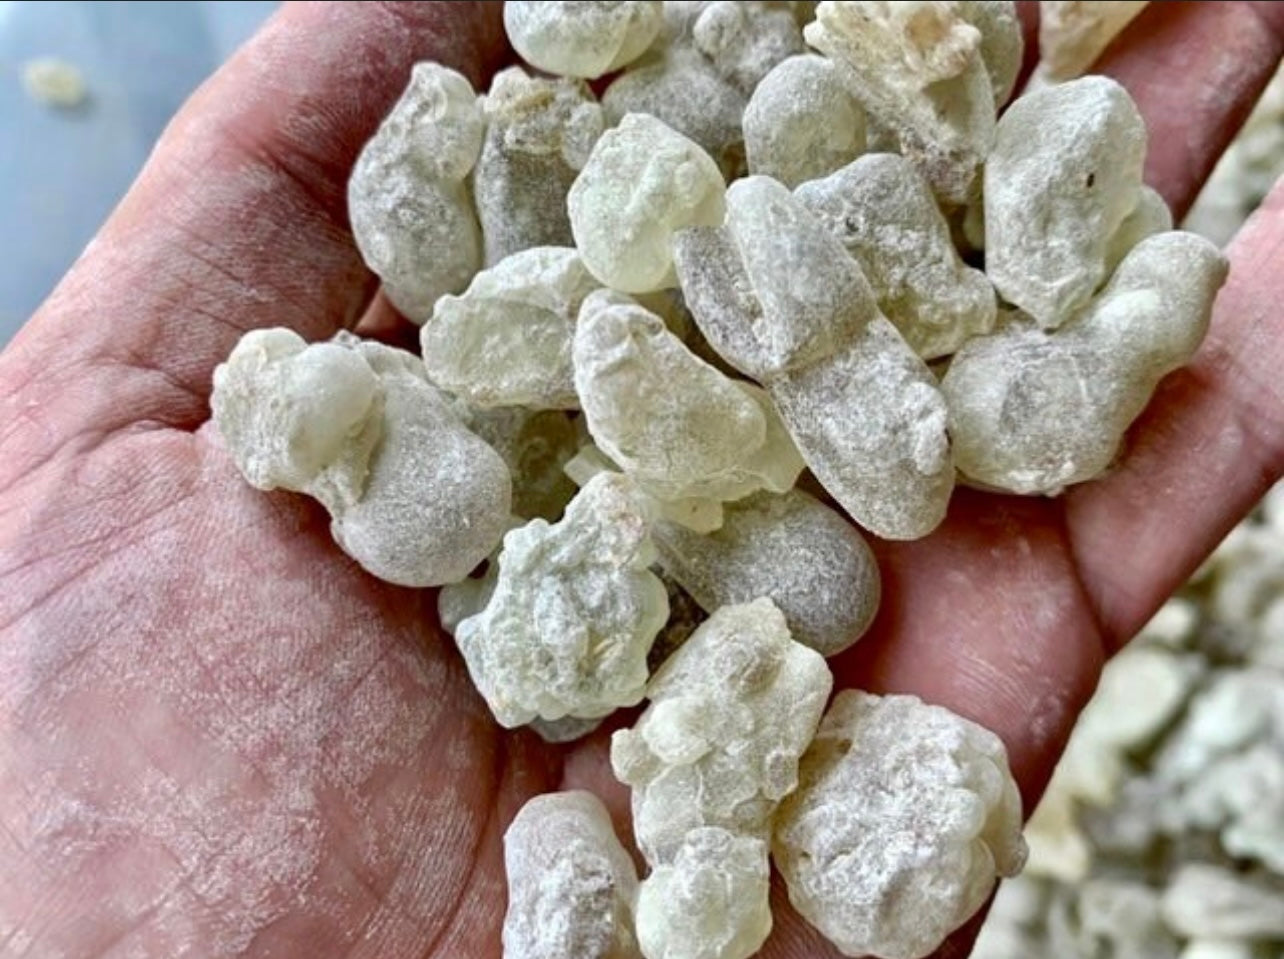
<point>574,611</point>
<point>413,496</point>
<point>506,340</point>
<point>571,885</point>
<point>1065,172</point>
<point>731,711</point>
<point>710,902</point>
<point>792,549</point>
<point>643,182</point>
<point>578,39</point>
<point>1032,411</point>
<point>884,213</point>
<point>890,872</point>
<point>779,298</point>
<point>411,212</point>
<point>671,421</point>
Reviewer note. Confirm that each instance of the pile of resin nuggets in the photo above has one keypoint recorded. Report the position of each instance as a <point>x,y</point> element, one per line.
<point>601,311</point>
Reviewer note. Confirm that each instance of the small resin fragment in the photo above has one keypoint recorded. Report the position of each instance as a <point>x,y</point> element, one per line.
<point>1002,46</point>
<point>1073,33</point>
<point>506,340</point>
<point>413,496</point>
<point>1064,174</point>
<point>793,550</point>
<point>574,611</point>
<point>779,298</point>
<point>54,82</point>
<point>675,424</point>
<point>698,513</point>
<point>801,122</point>
<point>571,884</point>
<point>918,69</point>
<point>582,39</point>
<point>884,213</point>
<point>709,902</point>
<point>536,445</point>
<point>643,182</point>
<point>1032,411</point>
<point>539,135</point>
<point>904,815</point>
<point>411,212</point>
<point>731,711</point>
<point>744,40</point>
<point>564,730</point>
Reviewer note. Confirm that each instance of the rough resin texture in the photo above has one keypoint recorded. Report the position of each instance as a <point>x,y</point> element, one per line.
<point>1064,174</point>
<point>710,902</point>
<point>885,215</point>
<point>1032,411</point>
<point>779,298</point>
<point>792,549</point>
<point>671,421</point>
<point>890,870</point>
<point>643,182</point>
<point>411,211</point>
<point>744,40</point>
<point>1073,33</point>
<point>731,711</point>
<point>506,340</point>
<point>573,614</point>
<point>571,885</point>
<point>413,496</point>
<point>539,133</point>
<point>801,122</point>
<point>582,39</point>
<point>918,69</point>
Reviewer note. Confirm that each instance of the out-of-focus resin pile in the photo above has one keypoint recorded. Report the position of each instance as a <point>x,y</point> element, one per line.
<point>785,238</point>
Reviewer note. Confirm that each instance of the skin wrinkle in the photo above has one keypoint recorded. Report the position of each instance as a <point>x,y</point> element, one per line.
<point>275,771</point>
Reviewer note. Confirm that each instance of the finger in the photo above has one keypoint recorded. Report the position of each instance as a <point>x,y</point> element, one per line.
<point>1195,70</point>
<point>238,220</point>
<point>1208,447</point>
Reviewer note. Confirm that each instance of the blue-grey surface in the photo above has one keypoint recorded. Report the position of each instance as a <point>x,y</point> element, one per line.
<point>62,171</point>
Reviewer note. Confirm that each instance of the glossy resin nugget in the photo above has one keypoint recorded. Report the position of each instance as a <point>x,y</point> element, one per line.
<point>904,816</point>
<point>573,614</point>
<point>675,424</point>
<point>575,39</point>
<point>539,133</point>
<point>413,496</point>
<point>777,296</point>
<point>411,210</point>
<point>506,340</point>
<point>1032,411</point>
<point>731,711</point>
<point>1064,174</point>
<point>643,182</point>
<point>571,885</point>
<point>885,215</point>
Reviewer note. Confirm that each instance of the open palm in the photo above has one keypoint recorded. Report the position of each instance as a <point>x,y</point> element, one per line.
<point>219,737</point>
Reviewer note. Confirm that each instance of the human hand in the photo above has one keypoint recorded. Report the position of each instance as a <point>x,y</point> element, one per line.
<point>218,736</point>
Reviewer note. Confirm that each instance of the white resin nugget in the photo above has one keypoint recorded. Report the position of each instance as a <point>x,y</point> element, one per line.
<point>413,496</point>
<point>792,549</point>
<point>710,902</point>
<point>1065,172</point>
<point>801,122</point>
<point>918,69</point>
<point>884,213</point>
<point>411,211</point>
<point>506,340</point>
<point>1073,33</point>
<point>1032,411</point>
<point>643,182</point>
<point>571,885</point>
<point>779,298</point>
<point>904,816</point>
<point>671,421</point>
<point>745,40</point>
<point>576,39</point>
<point>574,612</point>
<point>731,711</point>
<point>539,133</point>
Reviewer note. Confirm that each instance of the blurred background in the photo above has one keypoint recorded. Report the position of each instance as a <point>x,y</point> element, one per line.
<point>1162,834</point>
